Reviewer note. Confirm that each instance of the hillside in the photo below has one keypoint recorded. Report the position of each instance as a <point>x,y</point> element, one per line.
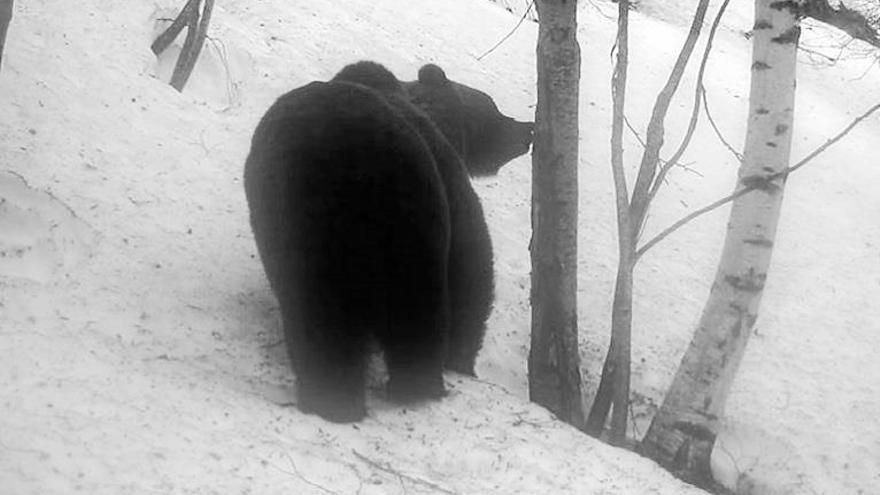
<point>140,339</point>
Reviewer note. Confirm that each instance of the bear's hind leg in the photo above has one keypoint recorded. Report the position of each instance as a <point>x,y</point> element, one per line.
<point>414,339</point>
<point>328,357</point>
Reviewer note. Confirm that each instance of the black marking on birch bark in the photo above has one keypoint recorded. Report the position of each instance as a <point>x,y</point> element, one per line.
<point>696,431</point>
<point>762,24</point>
<point>735,332</point>
<point>737,308</point>
<point>760,65</point>
<point>771,144</point>
<point>748,283</point>
<point>762,111</point>
<point>780,129</point>
<point>759,242</point>
<point>789,36</point>
<point>792,6</point>
<point>759,182</point>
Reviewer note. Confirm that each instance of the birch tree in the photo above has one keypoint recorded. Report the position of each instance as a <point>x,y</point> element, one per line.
<point>554,363</point>
<point>683,432</point>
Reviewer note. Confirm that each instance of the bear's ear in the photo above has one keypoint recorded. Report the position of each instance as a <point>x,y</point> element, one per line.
<point>432,75</point>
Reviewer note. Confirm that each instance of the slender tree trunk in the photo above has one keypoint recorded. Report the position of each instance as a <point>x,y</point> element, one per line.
<point>164,40</point>
<point>683,432</point>
<point>197,30</point>
<point>5,17</point>
<point>614,385</point>
<point>554,363</point>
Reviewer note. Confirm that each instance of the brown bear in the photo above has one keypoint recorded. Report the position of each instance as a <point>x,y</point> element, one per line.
<point>369,229</point>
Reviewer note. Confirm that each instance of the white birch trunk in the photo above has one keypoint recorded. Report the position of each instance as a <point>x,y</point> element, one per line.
<point>683,432</point>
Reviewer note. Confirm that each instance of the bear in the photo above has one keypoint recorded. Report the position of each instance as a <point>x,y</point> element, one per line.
<point>369,229</point>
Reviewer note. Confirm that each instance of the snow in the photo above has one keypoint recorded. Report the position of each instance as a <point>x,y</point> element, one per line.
<point>140,341</point>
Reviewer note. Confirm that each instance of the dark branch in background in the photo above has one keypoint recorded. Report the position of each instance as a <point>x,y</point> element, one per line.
<point>170,34</point>
<point>848,20</point>
<point>751,187</point>
<point>508,35</point>
<point>197,30</point>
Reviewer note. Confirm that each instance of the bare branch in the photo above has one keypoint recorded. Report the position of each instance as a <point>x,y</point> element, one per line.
<point>170,34</point>
<point>677,225</point>
<point>849,21</point>
<point>655,133</point>
<point>634,132</point>
<point>508,35</point>
<point>783,173</point>
<point>197,30</point>
<point>599,11</point>
<point>737,154</point>
<point>831,141</point>
<point>814,53</point>
<point>641,141</point>
<point>692,125</point>
<point>607,393</point>
<point>392,471</point>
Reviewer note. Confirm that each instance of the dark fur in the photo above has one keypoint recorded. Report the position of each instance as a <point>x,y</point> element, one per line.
<point>368,227</point>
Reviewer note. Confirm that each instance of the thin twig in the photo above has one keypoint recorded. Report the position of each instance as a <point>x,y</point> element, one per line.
<point>599,11</point>
<point>737,154</point>
<point>831,141</point>
<point>656,128</point>
<point>638,137</point>
<point>400,475</point>
<point>300,476</point>
<point>782,173</point>
<point>831,60</point>
<point>508,35</point>
<point>695,113</point>
<point>634,131</point>
<point>672,228</point>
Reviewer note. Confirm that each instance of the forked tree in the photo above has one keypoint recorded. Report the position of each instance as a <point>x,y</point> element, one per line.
<point>195,19</point>
<point>554,363</point>
<point>612,396</point>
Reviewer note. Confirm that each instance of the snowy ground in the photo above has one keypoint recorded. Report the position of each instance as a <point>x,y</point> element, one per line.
<point>139,339</point>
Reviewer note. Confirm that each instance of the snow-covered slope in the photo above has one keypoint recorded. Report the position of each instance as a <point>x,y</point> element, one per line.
<point>139,339</point>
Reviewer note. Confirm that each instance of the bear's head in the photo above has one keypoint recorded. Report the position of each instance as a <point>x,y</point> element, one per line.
<point>485,138</point>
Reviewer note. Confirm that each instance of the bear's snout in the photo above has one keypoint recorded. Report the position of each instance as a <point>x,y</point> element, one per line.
<point>527,132</point>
